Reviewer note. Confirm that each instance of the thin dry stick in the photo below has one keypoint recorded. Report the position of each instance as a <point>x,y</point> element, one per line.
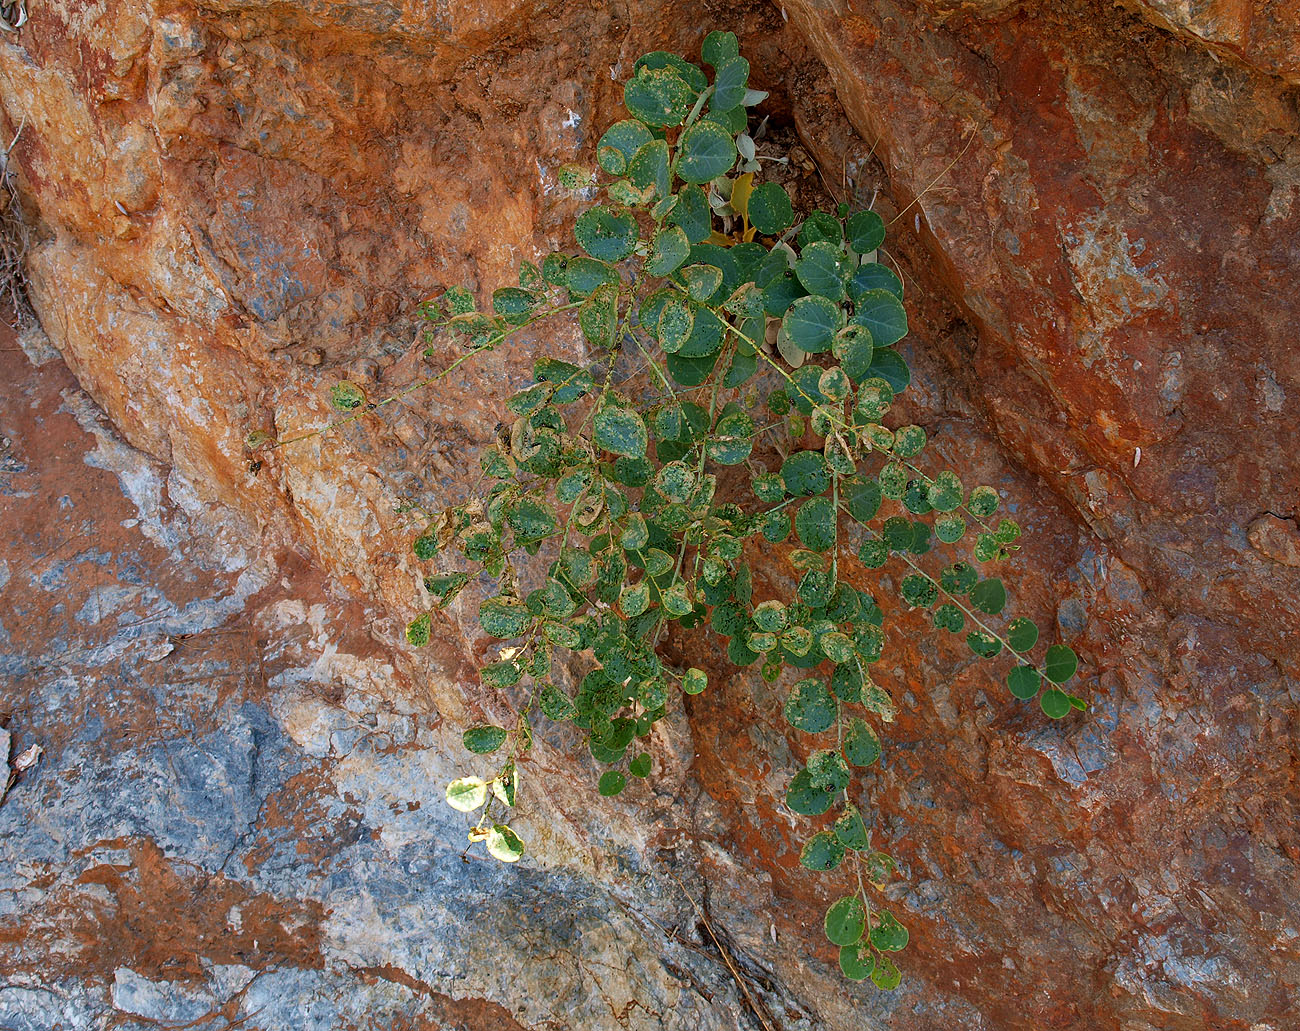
<point>726,957</point>
<point>917,198</point>
<point>14,235</point>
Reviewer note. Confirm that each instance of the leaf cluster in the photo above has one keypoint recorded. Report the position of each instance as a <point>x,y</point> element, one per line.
<point>759,418</point>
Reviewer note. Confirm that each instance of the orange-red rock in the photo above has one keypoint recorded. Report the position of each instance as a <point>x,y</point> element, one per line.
<point>1096,209</point>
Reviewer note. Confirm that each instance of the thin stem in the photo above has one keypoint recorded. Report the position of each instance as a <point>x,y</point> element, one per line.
<point>373,407</point>
<point>955,600</point>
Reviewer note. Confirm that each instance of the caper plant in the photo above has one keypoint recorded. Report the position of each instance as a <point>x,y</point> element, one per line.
<point>741,322</point>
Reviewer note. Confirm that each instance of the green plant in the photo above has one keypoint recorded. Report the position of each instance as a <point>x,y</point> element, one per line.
<point>746,327</point>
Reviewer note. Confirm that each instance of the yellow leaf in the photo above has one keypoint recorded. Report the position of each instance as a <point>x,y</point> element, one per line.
<point>740,192</point>
<point>720,240</point>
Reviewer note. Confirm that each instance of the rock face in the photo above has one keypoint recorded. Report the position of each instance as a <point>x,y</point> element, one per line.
<point>1095,208</point>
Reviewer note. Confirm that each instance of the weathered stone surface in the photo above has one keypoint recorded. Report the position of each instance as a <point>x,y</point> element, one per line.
<point>1278,539</point>
<point>1096,218</point>
<point>238,816</point>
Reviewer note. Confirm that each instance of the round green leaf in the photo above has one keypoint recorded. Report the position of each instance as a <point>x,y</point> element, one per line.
<point>811,322</point>
<point>1061,663</point>
<point>501,674</point>
<point>873,553</point>
<point>658,96</point>
<point>676,324</point>
<point>770,210</point>
<point>635,534</point>
<point>950,528</point>
<point>691,74</point>
<point>806,798</point>
<point>874,396</point>
<point>821,226</point>
<point>729,86</point>
<point>853,347</point>
<point>503,617</point>
<point>815,524</point>
<point>919,591</point>
<point>531,520</point>
<point>1023,682</point>
<point>958,578</point>
<point>619,145</point>
<point>690,372</point>
<point>909,441</point>
<point>1055,703</point>
<point>484,740</point>
<point>648,169</point>
<point>861,745</point>
<point>811,707</point>
<point>675,481</point>
<point>890,366</point>
<point>983,502</point>
<point>778,294</point>
<point>670,249</point>
<point>635,599</point>
<point>889,935</point>
<point>822,851</point>
<point>692,213</point>
<point>806,473</point>
<point>893,480</point>
<point>606,235</point>
<point>945,492</point>
<point>836,646</point>
<point>620,429</point>
<point>984,645</point>
<point>677,600</point>
<point>445,586</point>
<point>705,151</point>
<point>555,704</point>
<point>987,548</point>
<point>862,499</point>
<point>776,526</point>
<point>611,783</point>
<point>879,868</point>
<point>719,47</point>
<point>768,487</point>
<point>850,829</point>
<point>866,231</point>
<point>883,314</point>
<point>760,641</point>
<point>702,281</point>
<point>695,681</point>
<point>950,618</point>
<point>874,276</point>
<point>845,920</point>
<point>425,546</point>
<point>815,588</point>
<point>513,304</point>
<point>829,770</point>
<point>771,616</point>
<point>1022,634</point>
<point>466,794</point>
<point>706,335</point>
<point>989,596</point>
<point>583,276</point>
<point>857,961</point>
<point>818,269</point>
<point>915,497</point>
